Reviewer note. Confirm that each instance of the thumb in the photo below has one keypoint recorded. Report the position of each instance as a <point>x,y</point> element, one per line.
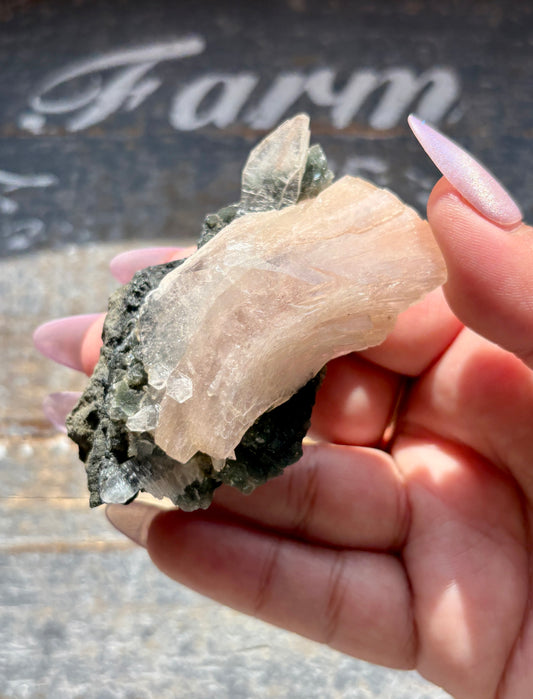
<point>490,271</point>
<point>488,251</point>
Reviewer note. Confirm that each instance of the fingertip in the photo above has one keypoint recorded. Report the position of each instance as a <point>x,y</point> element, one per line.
<point>124,265</point>
<point>175,540</point>
<point>490,286</point>
<point>429,326</point>
<point>472,179</point>
<point>182,253</point>
<point>133,520</point>
<point>354,402</point>
<point>61,339</point>
<point>91,344</point>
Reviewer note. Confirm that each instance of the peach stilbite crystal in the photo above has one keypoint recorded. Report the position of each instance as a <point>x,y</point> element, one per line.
<point>255,313</point>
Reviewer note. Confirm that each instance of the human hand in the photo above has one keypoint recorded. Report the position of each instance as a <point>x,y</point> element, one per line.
<point>403,536</point>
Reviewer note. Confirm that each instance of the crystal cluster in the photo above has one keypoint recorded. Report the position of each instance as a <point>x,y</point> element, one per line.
<point>210,365</point>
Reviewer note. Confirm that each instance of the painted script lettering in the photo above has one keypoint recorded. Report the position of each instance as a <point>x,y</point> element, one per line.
<point>119,81</point>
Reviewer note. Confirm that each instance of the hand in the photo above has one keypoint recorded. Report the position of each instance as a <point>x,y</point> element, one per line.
<point>403,536</point>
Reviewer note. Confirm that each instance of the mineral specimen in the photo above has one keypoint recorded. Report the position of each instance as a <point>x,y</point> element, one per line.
<point>210,365</point>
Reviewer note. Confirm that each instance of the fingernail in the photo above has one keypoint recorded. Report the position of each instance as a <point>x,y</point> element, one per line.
<point>56,407</point>
<point>61,339</point>
<point>124,266</point>
<point>91,344</point>
<point>132,520</point>
<point>467,175</point>
<point>182,253</point>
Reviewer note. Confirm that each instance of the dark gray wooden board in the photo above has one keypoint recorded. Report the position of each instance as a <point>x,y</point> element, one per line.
<point>131,119</point>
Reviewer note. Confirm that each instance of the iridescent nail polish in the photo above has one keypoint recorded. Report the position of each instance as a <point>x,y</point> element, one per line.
<point>476,184</point>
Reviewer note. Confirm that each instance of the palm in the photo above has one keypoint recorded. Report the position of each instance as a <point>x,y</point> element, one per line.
<point>404,534</point>
<point>417,558</point>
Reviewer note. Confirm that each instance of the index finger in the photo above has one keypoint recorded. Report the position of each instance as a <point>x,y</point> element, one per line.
<point>421,334</point>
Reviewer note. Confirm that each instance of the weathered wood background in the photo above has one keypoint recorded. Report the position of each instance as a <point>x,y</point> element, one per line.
<point>123,123</point>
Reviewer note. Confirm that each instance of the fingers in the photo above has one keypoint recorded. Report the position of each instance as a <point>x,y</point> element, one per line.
<point>468,176</point>
<point>75,341</point>
<point>488,251</point>
<point>357,398</point>
<point>481,396</point>
<point>355,402</point>
<point>341,496</point>
<point>133,520</point>
<point>124,266</point>
<point>91,344</point>
<point>61,339</point>
<point>490,284</point>
<point>421,334</point>
<point>467,561</point>
<point>357,602</point>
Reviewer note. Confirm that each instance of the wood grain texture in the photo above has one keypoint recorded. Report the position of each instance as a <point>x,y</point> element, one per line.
<point>82,612</point>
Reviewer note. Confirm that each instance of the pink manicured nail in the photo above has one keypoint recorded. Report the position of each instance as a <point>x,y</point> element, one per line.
<point>124,266</point>
<point>61,339</point>
<point>467,175</point>
<point>132,520</point>
<point>57,406</point>
<point>182,253</point>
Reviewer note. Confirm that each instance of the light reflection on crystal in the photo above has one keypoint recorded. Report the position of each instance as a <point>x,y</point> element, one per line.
<point>179,388</point>
<point>115,487</point>
<point>144,420</point>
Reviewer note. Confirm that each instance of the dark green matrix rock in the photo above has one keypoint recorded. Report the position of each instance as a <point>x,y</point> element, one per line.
<point>121,461</point>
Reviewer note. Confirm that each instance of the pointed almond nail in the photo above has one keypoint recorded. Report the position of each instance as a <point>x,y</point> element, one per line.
<point>61,339</point>
<point>57,406</point>
<point>91,344</point>
<point>132,520</point>
<point>473,181</point>
<point>124,266</point>
<point>182,253</point>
